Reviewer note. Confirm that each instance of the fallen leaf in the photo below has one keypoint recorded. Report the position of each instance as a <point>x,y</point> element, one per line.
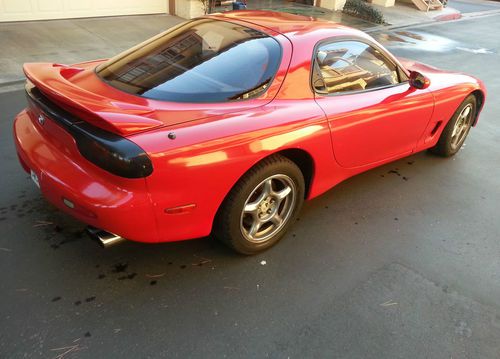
<point>155,275</point>
<point>388,303</point>
<point>42,223</point>
<point>67,350</point>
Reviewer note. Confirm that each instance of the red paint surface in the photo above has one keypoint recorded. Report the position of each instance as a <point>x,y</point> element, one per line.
<point>216,144</point>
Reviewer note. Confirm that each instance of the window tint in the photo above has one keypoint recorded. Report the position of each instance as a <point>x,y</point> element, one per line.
<point>203,60</point>
<point>351,66</point>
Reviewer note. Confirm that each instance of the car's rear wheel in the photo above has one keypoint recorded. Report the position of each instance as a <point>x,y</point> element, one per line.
<point>453,136</point>
<point>261,206</point>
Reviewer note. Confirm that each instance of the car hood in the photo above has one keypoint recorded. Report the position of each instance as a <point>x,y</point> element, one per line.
<point>79,90</point>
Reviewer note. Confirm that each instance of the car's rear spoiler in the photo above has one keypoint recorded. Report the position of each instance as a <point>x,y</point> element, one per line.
<point>54,81</point>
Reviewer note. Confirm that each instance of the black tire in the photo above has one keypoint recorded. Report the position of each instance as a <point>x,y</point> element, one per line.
<point>448,143</point>
<point>232,222</point>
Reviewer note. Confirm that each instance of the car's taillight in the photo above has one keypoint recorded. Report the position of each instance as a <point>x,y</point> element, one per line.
<point>111,152</point>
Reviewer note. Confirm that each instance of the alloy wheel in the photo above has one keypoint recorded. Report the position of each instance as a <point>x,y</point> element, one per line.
<point>268,208</point>
<point>462,126</point>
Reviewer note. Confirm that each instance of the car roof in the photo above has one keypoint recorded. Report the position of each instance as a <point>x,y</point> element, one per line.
<point>290,25</point>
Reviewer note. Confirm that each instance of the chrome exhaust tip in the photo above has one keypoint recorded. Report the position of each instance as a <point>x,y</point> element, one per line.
<point>104,238</point>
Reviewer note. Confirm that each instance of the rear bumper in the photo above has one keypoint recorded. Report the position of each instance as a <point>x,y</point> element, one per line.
<point>74,185</point>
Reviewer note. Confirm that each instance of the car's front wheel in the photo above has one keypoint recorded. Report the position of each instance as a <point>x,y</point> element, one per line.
<point>457,129</point>
<point>261,206</point>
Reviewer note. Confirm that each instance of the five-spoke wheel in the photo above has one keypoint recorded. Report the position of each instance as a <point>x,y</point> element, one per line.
<point>462,126</point>
<point>268,207</point>
<point>261,206</point>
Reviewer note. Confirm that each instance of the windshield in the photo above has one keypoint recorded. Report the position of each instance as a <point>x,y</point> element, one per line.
<point>203,60</point>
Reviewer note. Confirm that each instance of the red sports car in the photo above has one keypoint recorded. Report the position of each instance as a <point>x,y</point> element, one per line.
<point>226,123</point>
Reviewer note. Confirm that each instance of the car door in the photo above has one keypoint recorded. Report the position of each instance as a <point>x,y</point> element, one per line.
<point>373,113</point>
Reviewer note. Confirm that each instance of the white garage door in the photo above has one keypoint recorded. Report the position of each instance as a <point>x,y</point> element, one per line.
<point>20,10</point>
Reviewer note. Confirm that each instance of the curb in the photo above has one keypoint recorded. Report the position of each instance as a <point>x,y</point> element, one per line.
<point>436,20</point>
<point>11,86</point>
<point>481,13</point>
<point>12,82</point>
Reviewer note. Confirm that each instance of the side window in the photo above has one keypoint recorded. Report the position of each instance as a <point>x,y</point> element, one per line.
<point>351,66</point>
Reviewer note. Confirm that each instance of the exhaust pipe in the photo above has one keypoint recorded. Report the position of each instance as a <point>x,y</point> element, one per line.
<point>104,238</point>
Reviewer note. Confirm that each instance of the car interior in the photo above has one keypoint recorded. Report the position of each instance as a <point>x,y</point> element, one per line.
<point>342,69</point>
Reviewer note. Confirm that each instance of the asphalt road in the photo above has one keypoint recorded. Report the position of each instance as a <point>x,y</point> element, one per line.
<point>399,262</point>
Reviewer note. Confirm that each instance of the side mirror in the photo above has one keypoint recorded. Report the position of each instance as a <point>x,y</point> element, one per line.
<point>419,81</point>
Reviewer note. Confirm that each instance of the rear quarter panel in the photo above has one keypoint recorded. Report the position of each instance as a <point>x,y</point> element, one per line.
<point>206,159</point>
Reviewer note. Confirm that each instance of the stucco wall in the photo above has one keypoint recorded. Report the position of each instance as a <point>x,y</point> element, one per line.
<point>188,8</point>
<point>333,4</point>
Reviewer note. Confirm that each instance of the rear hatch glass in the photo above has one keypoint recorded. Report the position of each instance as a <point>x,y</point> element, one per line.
<point>200,61</point>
